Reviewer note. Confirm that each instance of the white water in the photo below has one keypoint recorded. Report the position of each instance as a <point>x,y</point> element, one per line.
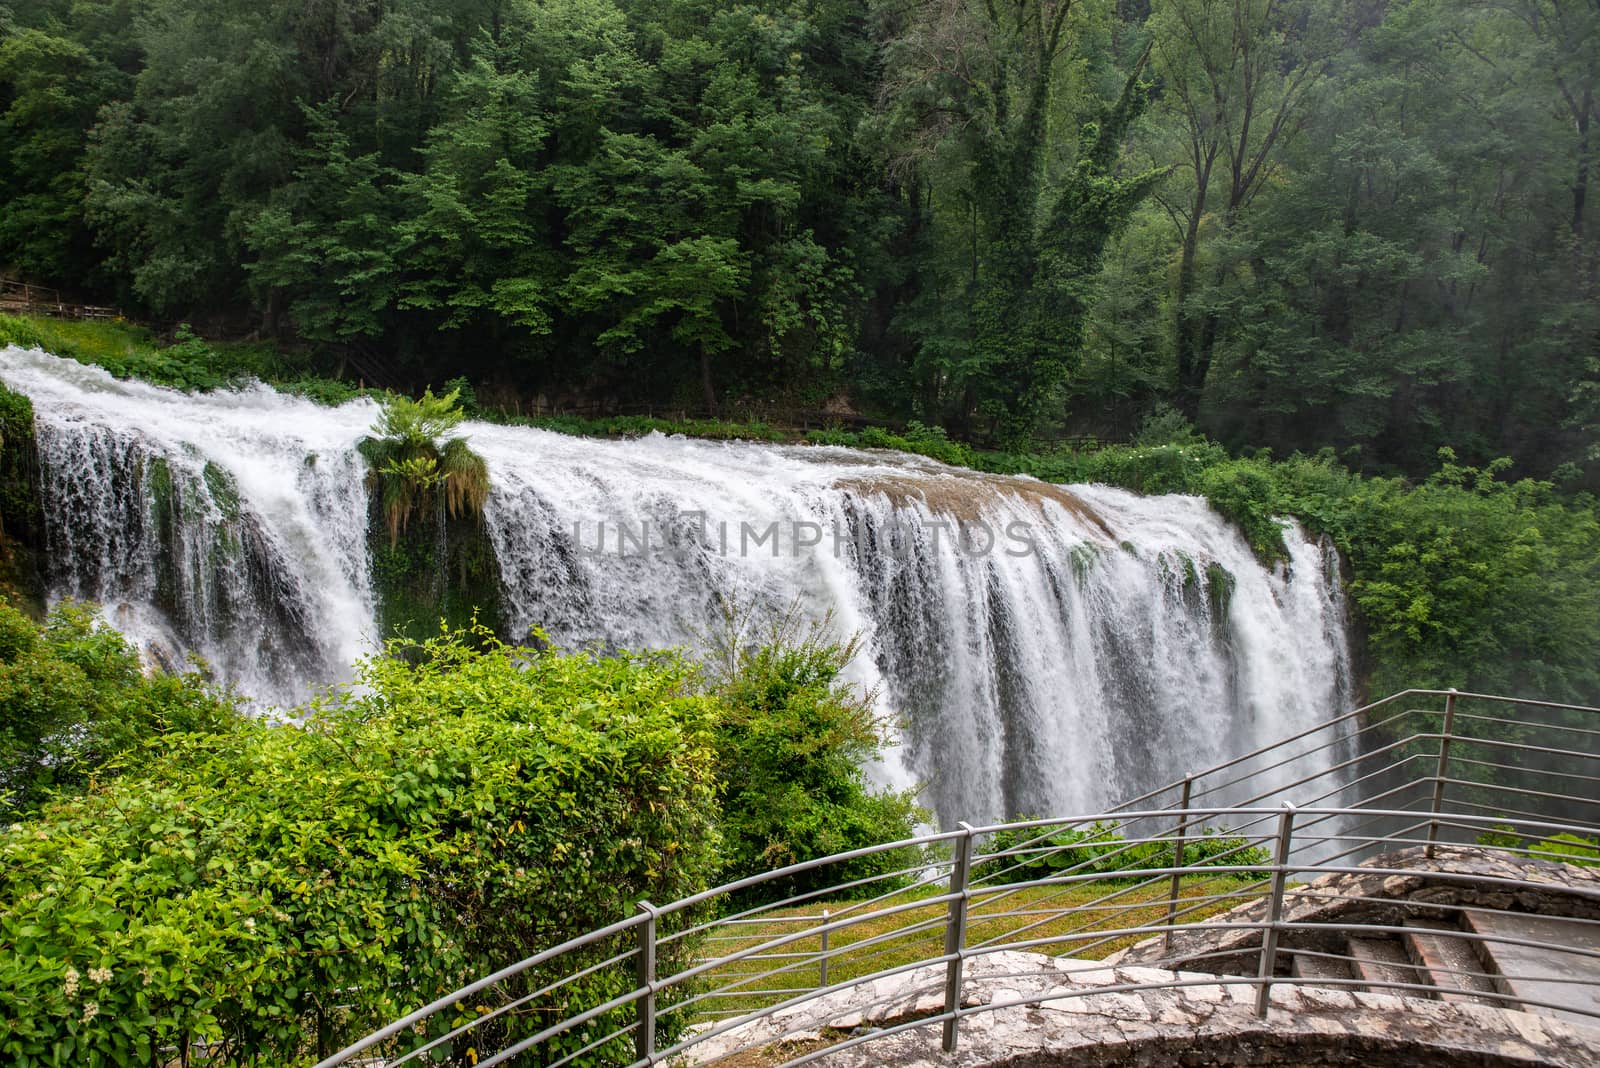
<point>1090,654</point>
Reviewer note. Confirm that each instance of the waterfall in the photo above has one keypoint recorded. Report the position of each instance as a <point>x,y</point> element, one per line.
<point>230,525</point>
<point>1041,649</point>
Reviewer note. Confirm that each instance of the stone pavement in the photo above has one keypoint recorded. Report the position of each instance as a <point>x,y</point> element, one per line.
<point>1035,1010</point>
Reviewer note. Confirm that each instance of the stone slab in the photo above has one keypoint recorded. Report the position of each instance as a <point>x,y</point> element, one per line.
<point>1030,1010</point>
<point>1568,982</point>
<point>1448,961</point>
<point>1381,963</point>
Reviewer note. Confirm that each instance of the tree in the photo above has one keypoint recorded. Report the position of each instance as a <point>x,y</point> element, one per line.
<point>1237,78</point>
<point>971,100</point>
<point>59,65</point>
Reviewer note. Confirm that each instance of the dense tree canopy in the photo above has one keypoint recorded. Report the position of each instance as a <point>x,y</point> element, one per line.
<point>1298,222</point>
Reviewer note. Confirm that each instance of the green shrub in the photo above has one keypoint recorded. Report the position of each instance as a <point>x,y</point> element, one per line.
<point>1245,493</point>
<point>792,741</point>
<point>75,705</point>
<point>1102,850</point>
<point>1569,849</point>
<point>277,892</point>
<point>417,470</point>
<point>19,504</point>
<point>1472,582</point>
<point>1565,847</point>
<point>20,332</point>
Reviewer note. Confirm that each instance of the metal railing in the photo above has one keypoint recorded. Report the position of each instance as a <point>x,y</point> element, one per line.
<point>1231,861</point>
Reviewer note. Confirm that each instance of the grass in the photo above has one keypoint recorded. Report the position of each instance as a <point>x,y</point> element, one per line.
<point>1070,919</point>
<point>128,350</point>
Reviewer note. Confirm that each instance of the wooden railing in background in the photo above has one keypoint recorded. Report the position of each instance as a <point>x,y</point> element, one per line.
<point>24,297</point>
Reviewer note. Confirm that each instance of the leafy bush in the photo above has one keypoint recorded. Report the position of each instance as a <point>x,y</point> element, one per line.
<point>930,441</point>
<point>1245,493</point>
<point>19,504</point>
<point>792,741</point>
<point>276,892</point>
<point>1472,582</point>
<point>1565,847</point>
<point>1101,849</point>
<point>20,332</point>
<point>73,700</point>
<point>1569,849</point>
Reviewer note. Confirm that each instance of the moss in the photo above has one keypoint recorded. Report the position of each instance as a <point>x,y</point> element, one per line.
<point>166,513</point>
<point>442,569</point>
<point>1178,565</point>
<point>224,491</point>
<point>1082,558</point>
<point>1220,585</point>
<point>21,512</point>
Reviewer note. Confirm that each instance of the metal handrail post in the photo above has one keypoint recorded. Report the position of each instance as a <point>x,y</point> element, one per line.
<point>1445,737</point>
<point>1177,862</point>
<point>822,965</point>
<point>955,935</point>
<point>1269,937</point>
<point>644,1035</point>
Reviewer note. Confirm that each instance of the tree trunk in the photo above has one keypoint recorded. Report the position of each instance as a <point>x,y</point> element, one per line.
<point>708,393</point>
<point>1193,359</point>
<point>1580,184</point>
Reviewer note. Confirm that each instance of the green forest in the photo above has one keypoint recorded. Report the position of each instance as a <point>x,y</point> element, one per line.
<point>1296,223</point>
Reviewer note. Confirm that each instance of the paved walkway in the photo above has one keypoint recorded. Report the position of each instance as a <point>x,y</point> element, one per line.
<point>1059,1011</point>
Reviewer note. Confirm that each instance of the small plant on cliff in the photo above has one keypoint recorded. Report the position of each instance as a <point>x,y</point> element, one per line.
<point>417,468</point>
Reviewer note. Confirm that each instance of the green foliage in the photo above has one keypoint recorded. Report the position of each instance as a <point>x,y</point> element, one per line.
<point>1569,849</point>
<point>931,441</point>
<point>1245,493</point>
<point>19,504</point>
<point>463,799</point>
<point>1471,578</point>
<point>1102,849</point>
<point>1565,848</point>
<point>191,363</point>
<point>791,744</point>
<point>444,567</point>
<point>417,471</point>
<point>74,705</point>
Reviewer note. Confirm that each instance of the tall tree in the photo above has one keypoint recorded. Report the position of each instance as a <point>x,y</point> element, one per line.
<point>969,98</point>
<point>1237,78</point>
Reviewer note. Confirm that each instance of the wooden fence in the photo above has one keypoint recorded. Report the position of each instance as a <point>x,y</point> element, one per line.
<point>26,298</point>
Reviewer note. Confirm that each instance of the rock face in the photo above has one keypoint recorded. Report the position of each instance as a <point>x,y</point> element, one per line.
<point>1026,1009</point>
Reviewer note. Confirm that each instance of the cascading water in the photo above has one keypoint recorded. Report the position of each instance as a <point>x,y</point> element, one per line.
<point>1044,649</point>
<point>227,525</point>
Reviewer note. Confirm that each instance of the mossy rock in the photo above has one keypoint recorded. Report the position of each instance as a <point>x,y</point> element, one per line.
<point>1082,558</point>
<point>1220,585</point>
<point>21,511</point>
<point>444,569</point>
<point>224,491</point>
<point>166,514</point>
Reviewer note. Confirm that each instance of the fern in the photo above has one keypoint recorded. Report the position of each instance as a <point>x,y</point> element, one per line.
<point>416,469</point>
